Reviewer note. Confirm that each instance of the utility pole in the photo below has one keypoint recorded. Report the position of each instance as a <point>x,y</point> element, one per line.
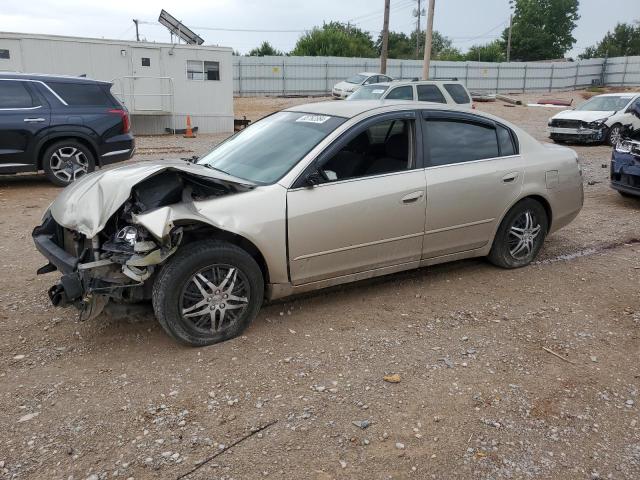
<point>385,38</point>
<point>509,38</point>
<point>418,31</point>
<point>428,41</point>
<point>137,33</point>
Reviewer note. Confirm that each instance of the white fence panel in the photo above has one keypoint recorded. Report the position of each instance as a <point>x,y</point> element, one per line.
<point>254,76</point>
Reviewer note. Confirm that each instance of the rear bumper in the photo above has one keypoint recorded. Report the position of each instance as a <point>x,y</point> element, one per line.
<point>117,149</point>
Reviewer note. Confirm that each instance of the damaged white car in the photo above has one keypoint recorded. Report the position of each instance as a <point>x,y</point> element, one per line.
<point>313,196</point>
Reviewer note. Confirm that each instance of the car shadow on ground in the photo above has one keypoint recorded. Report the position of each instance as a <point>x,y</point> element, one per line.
<point>120,322</point>
<point>28,180</point>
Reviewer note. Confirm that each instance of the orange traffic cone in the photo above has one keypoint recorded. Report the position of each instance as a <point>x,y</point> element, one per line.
<point>189,132</point>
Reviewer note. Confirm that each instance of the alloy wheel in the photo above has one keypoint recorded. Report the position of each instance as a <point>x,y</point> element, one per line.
<point>523,234</point>
<point>215,298</point>
<point>68,163</point>
<point>615,135</point>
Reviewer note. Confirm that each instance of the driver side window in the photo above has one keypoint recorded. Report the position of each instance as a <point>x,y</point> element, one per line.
<point>384,147</point>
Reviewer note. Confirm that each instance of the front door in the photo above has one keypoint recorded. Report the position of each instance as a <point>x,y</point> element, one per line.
<point>368,212</point>
<point>473,175</point>
<point>23,117</point>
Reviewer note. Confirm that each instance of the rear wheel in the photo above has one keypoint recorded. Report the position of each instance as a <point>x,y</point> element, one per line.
<point>66,161</point>
<point>207,293</point>
<point>520,235</point>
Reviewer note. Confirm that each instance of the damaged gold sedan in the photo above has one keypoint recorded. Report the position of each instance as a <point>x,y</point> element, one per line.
<point>313,196</point>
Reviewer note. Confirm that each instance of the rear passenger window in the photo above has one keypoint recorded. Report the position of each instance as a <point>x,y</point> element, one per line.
<point>457,92</point>
<point>82,94</point>
<point>455,141</point>
<point>430,93</point>
<point>506,142</point>
<point>15,95</point>
<point>401,93</point>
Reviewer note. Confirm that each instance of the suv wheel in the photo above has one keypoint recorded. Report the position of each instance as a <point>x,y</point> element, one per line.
<point>520,235</point>
<point>208,292</point>
<point>65,161</point>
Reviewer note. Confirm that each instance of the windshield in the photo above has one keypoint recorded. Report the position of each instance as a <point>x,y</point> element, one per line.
<point>265,151</point>
<point>368,92</point>
<point>604,104</point>
<point>358,79</point>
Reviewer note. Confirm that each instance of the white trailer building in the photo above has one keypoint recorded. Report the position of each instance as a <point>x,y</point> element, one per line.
<point>159,83</point>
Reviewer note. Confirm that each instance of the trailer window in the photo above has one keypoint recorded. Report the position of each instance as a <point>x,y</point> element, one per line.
<point>201,70</point>
<point>4,54</point>
<point>146,62</point>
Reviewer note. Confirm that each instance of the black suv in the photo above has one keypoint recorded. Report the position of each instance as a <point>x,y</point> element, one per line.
<point>65,126</point>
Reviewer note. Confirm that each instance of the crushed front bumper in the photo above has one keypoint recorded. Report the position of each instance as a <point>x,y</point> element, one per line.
<point>578,135</point>
<point>49,240</point>
<point>625,172</point>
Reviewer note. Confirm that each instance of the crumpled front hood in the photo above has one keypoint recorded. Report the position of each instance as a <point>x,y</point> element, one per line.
<point>87,204</point>
<point>584,115</point>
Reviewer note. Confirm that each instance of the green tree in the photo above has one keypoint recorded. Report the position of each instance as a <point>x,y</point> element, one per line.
<point>490,52</point>
<point>399,45</point>
<point>623,41</point>
<point>542,29</point>
<point>403,46</point>
<point>265,49</point>
<point>335,39</point>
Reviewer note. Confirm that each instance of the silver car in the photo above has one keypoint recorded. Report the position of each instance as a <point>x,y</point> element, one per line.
<point>309,197</point>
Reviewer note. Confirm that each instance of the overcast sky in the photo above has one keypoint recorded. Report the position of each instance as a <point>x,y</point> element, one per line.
<point>464,21</point>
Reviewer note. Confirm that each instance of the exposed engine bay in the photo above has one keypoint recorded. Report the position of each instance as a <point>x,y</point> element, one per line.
<point>116,262</point>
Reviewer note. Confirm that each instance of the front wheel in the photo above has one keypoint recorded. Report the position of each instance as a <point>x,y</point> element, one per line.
<point>614,135</point>
<point>520,235</point>
<point>208,292</point>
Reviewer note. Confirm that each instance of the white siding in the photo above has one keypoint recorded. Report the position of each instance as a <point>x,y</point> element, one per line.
<point>209,102</point>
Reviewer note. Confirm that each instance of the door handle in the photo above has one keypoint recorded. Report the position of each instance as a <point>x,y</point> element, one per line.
<point>34,120</point>
<point>510,177</point>
<point>412,197</point>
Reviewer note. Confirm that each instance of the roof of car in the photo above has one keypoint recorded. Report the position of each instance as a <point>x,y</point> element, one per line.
<point>42,77</point>
<point>412,82</point>
<point>352,109</point>
<point>619,94</point>
<point>368,74</point>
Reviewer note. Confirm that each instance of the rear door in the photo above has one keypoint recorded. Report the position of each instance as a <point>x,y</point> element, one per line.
<point>474,174</point>
<point>24,118</point>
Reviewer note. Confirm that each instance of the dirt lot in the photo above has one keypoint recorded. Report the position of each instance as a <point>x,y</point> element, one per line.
<point>479,396</point>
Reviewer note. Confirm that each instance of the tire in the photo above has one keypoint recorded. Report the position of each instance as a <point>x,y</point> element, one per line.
<point>504,251</point>
<point>65,161</point>
<point>181,289</point>
<point>614,134</point>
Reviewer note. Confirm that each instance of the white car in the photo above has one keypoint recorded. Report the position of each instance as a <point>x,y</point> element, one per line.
<point>437,91</point>
<point>598,120</point>
<point>347,87</point>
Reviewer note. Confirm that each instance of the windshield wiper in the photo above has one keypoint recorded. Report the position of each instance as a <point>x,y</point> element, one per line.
<point>214,168</point>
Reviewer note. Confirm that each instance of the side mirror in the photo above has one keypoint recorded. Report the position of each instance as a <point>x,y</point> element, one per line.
<point>635,109</point>
<point>314,178</point>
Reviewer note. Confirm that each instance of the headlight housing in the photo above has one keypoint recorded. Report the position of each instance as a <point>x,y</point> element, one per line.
<point>598,123</point>
<point>623,146</point>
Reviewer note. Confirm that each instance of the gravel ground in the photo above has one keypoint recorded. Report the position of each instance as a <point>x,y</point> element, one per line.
<point>494,374</point>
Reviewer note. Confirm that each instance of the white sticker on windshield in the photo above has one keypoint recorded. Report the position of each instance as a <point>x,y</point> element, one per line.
<point>377,91</point>
<point>313,118</point>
